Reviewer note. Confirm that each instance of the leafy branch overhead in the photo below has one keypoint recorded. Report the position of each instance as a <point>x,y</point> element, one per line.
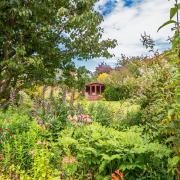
<point>173,12</point>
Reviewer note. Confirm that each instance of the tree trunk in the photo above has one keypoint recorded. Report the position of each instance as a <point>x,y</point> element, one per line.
<point>72,97</point>
<point>5,50</point>
<point>43,96</point>
<point>64,94</point>
<point>3,86</point>
<point>52,93</point>
<point>12,98</point>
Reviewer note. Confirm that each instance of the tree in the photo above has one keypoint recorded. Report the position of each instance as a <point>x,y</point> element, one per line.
<point>37,37</point>
<point>72,79</point>
<point>103,68</point>
<point>102,78</point>
<point>129,64</point>
<point>149,43</point>
<point>83,76</point>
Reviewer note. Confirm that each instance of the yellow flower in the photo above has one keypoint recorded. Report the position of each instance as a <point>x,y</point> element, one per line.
<point>102,77</point>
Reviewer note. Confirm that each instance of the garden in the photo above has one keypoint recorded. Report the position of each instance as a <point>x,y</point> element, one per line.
<point>49,130</point>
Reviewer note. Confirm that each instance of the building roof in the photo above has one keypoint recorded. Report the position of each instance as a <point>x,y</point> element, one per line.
<point>94,83</point>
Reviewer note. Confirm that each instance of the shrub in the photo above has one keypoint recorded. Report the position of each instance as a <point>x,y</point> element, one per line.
<point>100,112</point>
<point>100,151</point>
<point>126,115</point>
<point>26,154</point>
<point>117,93</point>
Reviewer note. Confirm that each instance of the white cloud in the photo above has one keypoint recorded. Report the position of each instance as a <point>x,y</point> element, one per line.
<point>126,24</point>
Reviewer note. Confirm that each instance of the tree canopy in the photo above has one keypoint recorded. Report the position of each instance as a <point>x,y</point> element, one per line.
<point>37,37</point>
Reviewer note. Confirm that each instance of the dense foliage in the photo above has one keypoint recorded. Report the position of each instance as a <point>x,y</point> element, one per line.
<point>32,148</point>
<point>133,135</point>
<point>100,151</point>
<point>39,37</point>
<point>117,93</point>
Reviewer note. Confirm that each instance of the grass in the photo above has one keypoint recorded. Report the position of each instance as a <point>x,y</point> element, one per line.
<point>124,107</point>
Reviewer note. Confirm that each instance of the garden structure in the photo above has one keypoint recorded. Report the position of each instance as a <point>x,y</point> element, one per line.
<point>94,91</point>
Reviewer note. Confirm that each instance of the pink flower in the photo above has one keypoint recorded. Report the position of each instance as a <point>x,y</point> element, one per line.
<point>85,118</point>
<point>69,160</point>
<point>82,118</point>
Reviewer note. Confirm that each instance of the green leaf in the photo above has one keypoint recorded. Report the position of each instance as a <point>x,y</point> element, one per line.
<point>177,99</point>
<point>173,12</point>
<point>178,5</point>
<point>166,23</point>
<point>174,161</point>
<point>177,91</point>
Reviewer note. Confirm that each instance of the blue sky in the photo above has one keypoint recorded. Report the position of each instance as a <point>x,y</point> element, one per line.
<point>125,21</point>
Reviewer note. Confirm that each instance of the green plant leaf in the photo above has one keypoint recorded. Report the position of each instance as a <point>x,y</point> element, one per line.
<point>178,5</point>
<point>166,23</point>
<point>173,161</point>
<point>173,12</point>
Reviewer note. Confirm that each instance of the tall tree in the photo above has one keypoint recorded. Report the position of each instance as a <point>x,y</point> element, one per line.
<point>103,68</point>
<point>37,37</point>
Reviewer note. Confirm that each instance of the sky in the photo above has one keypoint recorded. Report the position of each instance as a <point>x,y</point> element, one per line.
<point>125,21</point>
